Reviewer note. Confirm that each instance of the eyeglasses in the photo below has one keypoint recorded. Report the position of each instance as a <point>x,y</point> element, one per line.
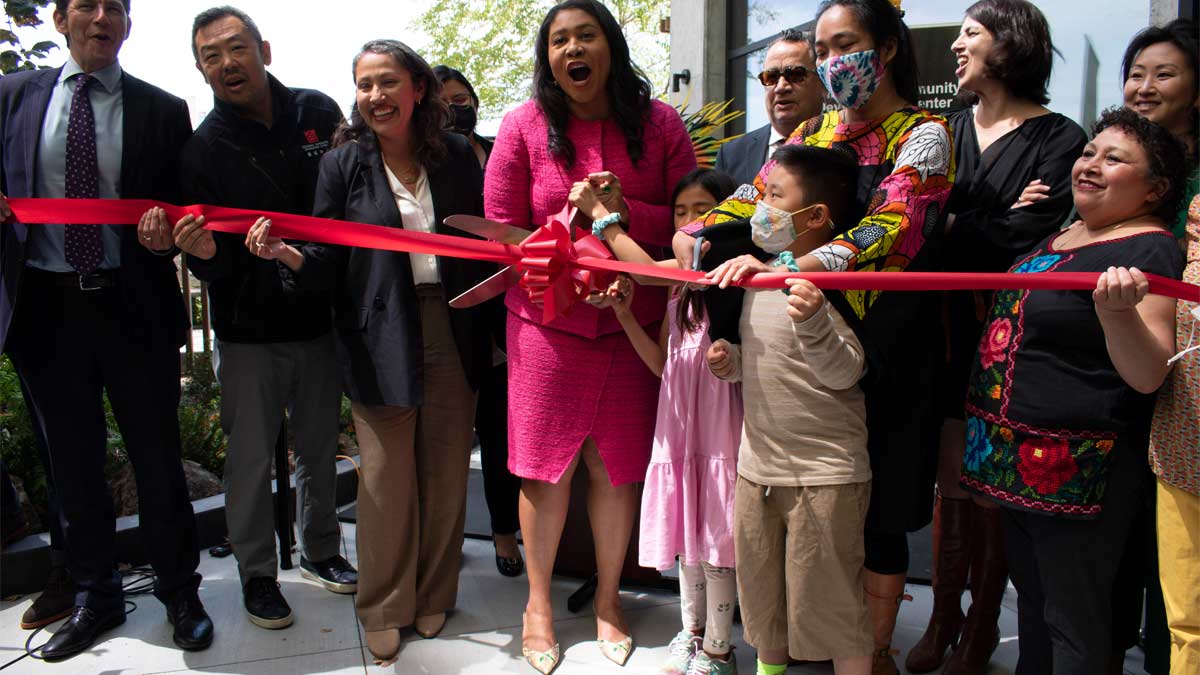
<point>793,74</point>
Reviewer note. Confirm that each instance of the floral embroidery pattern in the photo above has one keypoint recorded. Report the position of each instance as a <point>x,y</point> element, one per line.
<point>978,446</point>
<point>1048,470</point>
<point>1035,471</point>
<point>1039,263</point>
<point>1045,464</point>
<point>995,343</point>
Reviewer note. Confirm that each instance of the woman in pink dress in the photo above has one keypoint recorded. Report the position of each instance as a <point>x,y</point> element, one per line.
<point>591,118</point>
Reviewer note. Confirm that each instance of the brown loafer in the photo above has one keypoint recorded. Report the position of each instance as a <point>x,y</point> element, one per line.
<point>429,626</point>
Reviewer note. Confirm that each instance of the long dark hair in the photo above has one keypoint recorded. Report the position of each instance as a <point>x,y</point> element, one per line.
<point>883,22</point>
<point>1023,53</point>
<point>429,116</point>
<point>628,87</point>
<point>1182,33</point>
<point>690,310</point>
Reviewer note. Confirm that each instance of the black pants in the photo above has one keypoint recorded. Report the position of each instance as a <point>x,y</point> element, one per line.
<point>69,348</point>
<point>500,488</point>
<point>1064,570</point>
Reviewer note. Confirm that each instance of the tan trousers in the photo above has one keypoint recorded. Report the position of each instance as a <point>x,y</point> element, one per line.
<point>412,487</point>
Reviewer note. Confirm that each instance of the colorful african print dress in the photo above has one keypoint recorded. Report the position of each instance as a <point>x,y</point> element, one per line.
<point>906,169</point>
<point>1046,409</point>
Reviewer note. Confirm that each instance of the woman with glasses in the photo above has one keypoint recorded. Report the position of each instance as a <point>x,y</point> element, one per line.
<point>1012,188</point>
<point>904,154</point>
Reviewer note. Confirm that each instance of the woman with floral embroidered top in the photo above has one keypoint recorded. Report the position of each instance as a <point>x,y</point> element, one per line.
<point>1059,401</point>
<point>905,160</point>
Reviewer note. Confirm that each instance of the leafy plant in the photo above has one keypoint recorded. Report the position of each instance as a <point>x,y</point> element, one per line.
<point>22,14</point>
<point>701,125</point>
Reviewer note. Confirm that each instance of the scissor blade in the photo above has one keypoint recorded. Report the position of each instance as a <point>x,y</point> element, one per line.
<point>488,288</point>
<point>488,229</point>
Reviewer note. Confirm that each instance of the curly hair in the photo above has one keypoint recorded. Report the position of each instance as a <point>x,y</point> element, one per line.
<point>884,23</point>
<point>1165,155</point>
<point>1022,53</point>
<point>628,87</point>
<point>430,115</point>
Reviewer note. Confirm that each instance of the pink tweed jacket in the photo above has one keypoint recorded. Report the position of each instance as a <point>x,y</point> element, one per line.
<point>525,184</point>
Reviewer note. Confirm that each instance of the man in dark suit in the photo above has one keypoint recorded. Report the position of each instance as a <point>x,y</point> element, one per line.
<point>793,94</point>
<point>88,310</point>
<point>260,148</point>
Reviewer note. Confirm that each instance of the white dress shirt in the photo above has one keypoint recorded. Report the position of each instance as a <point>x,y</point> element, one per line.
<point>777,139</point>
<point>416,214</point>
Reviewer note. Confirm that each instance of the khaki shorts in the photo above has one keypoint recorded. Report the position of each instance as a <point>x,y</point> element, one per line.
<point>799,568</point>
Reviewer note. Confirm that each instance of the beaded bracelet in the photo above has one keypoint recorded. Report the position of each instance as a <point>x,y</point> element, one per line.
<point>602,222</point>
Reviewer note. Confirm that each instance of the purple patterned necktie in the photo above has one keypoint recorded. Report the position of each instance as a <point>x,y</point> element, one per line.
<point>83,247</point>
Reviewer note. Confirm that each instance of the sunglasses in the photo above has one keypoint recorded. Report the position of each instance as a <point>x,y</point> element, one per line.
<point>793,74</point>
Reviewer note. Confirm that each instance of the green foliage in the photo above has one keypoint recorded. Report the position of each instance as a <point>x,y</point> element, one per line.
<point>491,42</point>
<point>18,445</point>
<point>200,432</point>
<point>22,14</point>
<point>199,428</point>
<point>703,123</point>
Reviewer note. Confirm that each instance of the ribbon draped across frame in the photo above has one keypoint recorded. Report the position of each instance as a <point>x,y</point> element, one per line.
<point>555,271</point>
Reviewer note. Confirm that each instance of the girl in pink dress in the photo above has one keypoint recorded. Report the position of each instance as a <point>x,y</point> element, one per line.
<point>687,502</point>
<point>578,394</point>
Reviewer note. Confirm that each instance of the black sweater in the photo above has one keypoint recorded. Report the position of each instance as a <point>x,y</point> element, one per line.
<point>236,162</point>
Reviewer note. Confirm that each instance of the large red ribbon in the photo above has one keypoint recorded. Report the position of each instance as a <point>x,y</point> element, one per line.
<point>554,269</point>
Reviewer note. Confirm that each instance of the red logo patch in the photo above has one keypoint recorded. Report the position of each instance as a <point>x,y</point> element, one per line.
<point>311,135</point>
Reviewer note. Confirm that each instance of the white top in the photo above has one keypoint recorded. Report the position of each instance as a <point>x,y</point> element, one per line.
<point>416,214</point>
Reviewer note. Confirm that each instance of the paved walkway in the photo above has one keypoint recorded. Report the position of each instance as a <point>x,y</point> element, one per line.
<point>482,638</point>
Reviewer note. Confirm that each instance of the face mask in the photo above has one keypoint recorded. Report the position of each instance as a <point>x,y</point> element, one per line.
<point>851,78</point>
<point>462,119</point>
<point>771,228</point>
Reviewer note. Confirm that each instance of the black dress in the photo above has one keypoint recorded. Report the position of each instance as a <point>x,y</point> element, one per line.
<point>987,233</point>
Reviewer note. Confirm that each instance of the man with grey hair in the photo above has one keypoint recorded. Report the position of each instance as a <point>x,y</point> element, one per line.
<point>793,94</point>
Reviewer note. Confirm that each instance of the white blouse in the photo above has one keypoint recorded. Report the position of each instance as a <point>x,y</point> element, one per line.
<point>416,214</point>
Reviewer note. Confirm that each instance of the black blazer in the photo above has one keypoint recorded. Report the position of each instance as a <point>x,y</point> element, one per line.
<point>156,125</point>
<point>744,157</point>
<point>376,315</point>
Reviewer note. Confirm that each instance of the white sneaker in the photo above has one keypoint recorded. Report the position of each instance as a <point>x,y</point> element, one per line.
<point>680,652</point>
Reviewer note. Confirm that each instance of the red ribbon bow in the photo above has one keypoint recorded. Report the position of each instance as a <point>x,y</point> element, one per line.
<point>549,267</point>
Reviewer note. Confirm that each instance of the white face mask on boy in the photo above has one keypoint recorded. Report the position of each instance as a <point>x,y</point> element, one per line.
<point>771,228</point>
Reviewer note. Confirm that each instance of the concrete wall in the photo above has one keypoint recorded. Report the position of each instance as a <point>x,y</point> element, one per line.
<point>698,45</point>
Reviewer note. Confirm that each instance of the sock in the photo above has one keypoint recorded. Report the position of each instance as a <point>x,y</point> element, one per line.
<point>770,669</point>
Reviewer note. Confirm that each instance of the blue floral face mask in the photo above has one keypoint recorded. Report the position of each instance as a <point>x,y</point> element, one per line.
<point>851,79</point>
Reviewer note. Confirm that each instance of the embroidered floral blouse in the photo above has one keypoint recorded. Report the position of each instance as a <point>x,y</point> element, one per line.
<point>1045,406</point>
<point>1175,432</point>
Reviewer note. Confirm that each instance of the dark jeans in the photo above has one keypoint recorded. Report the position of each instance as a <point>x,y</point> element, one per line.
<point>70,347</point>
<point>500,488</point>
<point>1064,570</point>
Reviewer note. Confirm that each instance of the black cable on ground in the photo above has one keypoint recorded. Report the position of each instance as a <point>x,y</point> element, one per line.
<point>135,581</point>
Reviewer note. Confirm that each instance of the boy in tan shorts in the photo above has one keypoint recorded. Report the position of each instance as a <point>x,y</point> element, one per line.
<point>803,473</point>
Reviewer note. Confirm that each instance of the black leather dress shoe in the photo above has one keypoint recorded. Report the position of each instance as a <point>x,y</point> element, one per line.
<point>193,628</point>
<point>335,574</point>
<point>80,631</point>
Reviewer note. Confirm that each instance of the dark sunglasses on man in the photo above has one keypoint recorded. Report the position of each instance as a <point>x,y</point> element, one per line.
<point>793,74</point>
